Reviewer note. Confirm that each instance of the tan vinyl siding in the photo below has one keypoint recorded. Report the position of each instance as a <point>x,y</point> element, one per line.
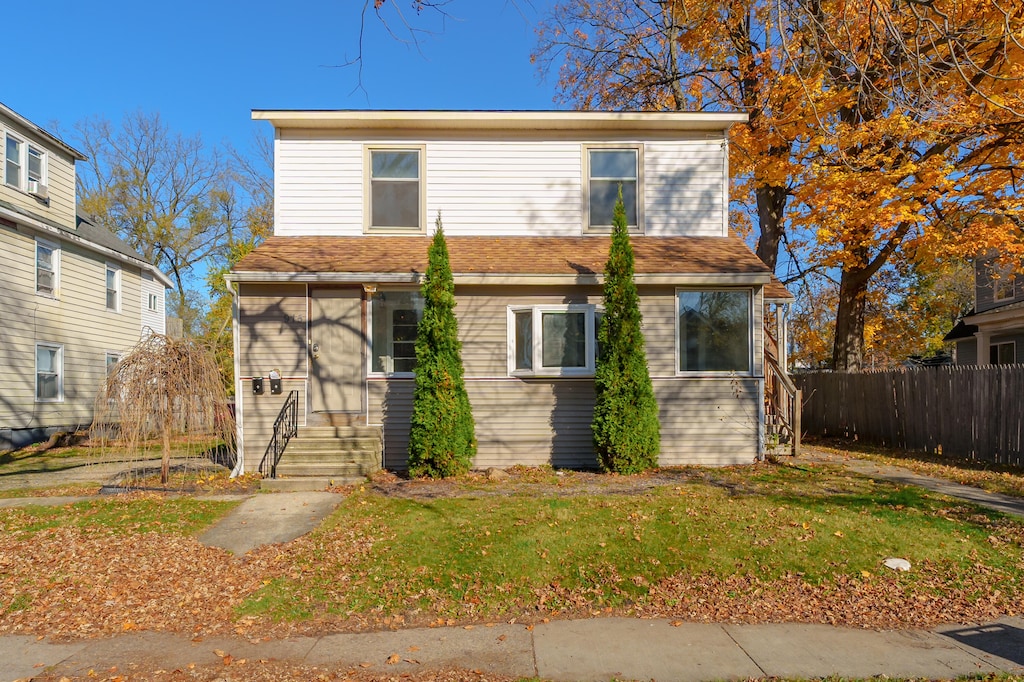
<point>710,422</point>
<point>486,185</point>
<point>77,319</point>
<point>259,413</point>
<point>272,330</point>
<point>705,420</point>
<point>59,175</point>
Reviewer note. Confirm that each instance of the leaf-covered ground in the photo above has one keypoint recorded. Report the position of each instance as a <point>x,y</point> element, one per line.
<point>753,544</point>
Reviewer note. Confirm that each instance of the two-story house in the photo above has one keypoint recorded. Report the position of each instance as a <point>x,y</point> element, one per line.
<point>993,332</point>
<point>73,297</point>
<point>330,303</point>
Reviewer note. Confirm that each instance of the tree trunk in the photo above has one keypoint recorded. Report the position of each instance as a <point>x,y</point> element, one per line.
<point>771,203</point>
<point>165,459</point>
<point>848,351</point>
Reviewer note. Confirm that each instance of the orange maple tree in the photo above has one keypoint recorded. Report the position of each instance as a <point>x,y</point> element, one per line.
<point>875,128</point>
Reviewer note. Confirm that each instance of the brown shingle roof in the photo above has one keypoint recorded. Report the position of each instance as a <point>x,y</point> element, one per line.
<point>500,255</point>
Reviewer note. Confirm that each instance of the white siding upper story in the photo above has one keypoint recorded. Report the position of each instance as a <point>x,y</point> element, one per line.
<point>494,183</point>
<point>151,302</point>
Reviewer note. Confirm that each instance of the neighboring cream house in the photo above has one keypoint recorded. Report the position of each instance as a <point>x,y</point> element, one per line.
<point>73,298</point>
<point>330,303</point>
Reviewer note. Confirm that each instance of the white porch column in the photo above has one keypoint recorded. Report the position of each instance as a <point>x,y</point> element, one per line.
<point>983,346</point>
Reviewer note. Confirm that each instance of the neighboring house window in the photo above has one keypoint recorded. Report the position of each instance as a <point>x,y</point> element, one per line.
<point>47,268</point>
<point>49,373</point>
<point>154,302</point>
<point>609,169</point>
<point>111,361</point>
<point>714,330</point>
<point>14,163</point>
<point>1003,286</point>
<point>396,194</point>
<point>395,318</point>
<point>36,166</point>
<point>1002,353</point>
<point>113,287</point>
<point>556,340</point>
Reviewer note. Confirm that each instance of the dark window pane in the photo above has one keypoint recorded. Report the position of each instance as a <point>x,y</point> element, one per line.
<point>714,331</point>
<point>563,339</point>
<point>613,163</point>
<point>524,339</point>
<point>396,164</point>
<point>603,194</point>
<point>395,204</point>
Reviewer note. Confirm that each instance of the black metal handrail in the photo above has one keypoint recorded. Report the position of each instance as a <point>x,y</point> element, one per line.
<point>286,427</point>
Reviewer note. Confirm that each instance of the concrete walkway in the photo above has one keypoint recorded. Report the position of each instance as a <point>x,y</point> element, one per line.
<point>597,649</point>
<point>983,498</point>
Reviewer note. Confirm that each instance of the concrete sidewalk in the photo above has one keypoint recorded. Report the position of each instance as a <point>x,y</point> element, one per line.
<point>597,649</point>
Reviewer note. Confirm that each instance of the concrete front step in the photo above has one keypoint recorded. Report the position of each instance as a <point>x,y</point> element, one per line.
<point>331,470</point>
<point>340,432</point>
<point>307,483</point>
<point>334,444</point>
<point>300,454</point>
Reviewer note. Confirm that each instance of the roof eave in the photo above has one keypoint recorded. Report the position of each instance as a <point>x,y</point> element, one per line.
<point>500,120</point>
<point>501,279</point>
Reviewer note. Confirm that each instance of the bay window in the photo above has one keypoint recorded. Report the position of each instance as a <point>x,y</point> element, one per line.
<point>557,340</point>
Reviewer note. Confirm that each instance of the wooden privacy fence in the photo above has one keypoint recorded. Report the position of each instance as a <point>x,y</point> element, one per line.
<point>959,412</point>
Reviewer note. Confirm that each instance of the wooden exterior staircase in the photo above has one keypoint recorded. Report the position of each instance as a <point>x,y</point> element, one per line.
<point>782,404</point>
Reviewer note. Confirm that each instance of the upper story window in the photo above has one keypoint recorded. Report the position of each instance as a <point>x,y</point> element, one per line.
<point>24,165</point>
<point>395,200</point>
<point>555,340</point>
<point>49,373</point>
<point>14,163</point>
<point>153,303</point>
<point>1002,284</point>
<point>395,318</point>
<point>113,278</point>
<point>47,268</point>
<point>715,330</point>
<point>609,169</point>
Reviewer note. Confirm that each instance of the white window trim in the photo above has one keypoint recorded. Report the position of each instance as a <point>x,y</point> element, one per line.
<point>153,303</point>
<point>56,258</point>
<point>696,374</point>
<point>539,370</point>
<point>389,324</point>
<point>606,229</point>
<point>117,284</point>
<point>60,371</point>
<point>368,225</point>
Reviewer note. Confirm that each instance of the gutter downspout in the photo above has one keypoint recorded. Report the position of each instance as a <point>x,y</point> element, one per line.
<point>239,393</point>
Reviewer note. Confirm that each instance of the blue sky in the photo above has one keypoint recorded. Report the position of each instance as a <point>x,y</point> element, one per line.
<point>204,65</point>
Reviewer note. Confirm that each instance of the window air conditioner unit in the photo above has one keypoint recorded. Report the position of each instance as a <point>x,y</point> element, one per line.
<point>38,189</point>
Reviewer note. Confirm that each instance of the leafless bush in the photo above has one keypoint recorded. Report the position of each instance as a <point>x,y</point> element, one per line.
<point>164,390</point>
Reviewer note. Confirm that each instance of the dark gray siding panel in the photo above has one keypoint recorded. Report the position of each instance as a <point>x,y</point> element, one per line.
<point>967,352</point>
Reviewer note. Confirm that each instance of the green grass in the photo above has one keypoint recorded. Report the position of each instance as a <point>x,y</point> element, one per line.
<point>490,556</point>
<point>185,516</point>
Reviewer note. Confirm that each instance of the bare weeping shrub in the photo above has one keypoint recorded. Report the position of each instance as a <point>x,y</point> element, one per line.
<point>166,390</point>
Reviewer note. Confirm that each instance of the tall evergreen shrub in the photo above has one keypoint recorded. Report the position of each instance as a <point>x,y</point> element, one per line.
<point>627,435</point>
<point>442,441</point>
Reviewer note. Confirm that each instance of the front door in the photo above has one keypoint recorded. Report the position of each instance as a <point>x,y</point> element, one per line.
<point>336,355</point>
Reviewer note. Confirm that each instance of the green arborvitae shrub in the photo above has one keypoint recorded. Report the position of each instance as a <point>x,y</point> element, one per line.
<point>626,429</point>
<point>442,441</point>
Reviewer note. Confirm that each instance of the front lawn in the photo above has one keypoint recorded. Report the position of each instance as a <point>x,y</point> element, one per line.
<point>748,544</point>
<point>765,543</point>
